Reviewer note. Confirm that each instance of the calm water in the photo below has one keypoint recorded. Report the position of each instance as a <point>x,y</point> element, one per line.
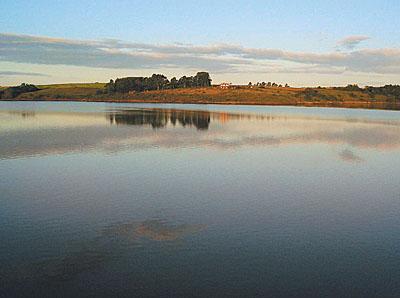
<point>180,200</point>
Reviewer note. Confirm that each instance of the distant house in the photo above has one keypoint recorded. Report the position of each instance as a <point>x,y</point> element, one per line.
<point>225,85</point>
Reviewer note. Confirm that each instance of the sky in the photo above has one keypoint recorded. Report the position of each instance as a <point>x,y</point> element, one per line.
<point>302,43</point>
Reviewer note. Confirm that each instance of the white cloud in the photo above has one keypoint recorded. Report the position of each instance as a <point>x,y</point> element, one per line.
<point>218,58</point>
<point>21,73</point>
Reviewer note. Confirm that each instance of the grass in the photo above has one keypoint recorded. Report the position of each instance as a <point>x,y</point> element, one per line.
<point>214,95</point>
<point>64,91</point>
<point>73,85</point>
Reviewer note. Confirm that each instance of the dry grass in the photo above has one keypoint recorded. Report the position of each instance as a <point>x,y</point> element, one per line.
<point>323,97</point>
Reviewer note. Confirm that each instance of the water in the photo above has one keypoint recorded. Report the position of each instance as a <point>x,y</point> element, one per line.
<point>185,200</point>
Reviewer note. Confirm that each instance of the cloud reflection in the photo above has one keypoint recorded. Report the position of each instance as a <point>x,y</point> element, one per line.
<point>137,129</point>
<point>93,256</point>
<point>157,230</point>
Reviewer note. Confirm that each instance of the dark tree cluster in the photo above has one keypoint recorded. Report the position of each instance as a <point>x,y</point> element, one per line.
<point>157,82</point>
<point>350,87</point>
<point>267,85</point>
<point>13,92</point>
<point>387,90</point>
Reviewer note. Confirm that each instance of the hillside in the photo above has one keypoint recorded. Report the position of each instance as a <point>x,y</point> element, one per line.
<point>214,95</point>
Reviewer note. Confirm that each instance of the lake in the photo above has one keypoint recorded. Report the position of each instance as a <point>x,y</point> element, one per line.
<point>134,200</point>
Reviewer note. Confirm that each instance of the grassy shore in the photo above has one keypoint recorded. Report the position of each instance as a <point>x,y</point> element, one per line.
<point>316,97</point>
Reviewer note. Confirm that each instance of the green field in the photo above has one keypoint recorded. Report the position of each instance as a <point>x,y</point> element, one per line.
<point>73,85</point>
<point>64,91</point>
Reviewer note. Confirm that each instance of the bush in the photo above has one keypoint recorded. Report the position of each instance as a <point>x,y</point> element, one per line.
<point>12,92</point>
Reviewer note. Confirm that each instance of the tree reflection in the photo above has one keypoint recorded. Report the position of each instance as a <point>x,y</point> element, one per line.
<point>161,118</point>
<point>23,114</point>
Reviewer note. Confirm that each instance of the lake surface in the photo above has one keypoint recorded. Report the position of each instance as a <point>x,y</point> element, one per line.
<point>135,200</point>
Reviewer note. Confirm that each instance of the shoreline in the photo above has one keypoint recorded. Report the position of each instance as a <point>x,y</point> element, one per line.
<point>328,104</point>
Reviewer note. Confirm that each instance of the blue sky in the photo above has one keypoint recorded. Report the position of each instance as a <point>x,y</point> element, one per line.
<point>299,42</point>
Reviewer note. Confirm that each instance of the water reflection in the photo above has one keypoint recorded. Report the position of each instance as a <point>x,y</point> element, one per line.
<point>264,203</point>
<point>349,156</point>
<point>68,267</point>
<point>111,245</point>
<point>157,230</point>
<point>133,129</point>
<point>45,275</point>
<point>159,118</point>
<point>23,114</point>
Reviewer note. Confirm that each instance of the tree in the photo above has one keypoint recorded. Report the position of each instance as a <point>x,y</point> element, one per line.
<point>156,82</point>
<point>183,82</point>
<point>110,87</point>
<point>202,79</point>
<point>125,85</point>
<point>173,83</point>
<point>353,87</point>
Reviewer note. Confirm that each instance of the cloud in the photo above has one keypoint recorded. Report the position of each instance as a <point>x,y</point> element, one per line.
<point>20,73</point>
<point>351,42</point>
<point>218,58</point>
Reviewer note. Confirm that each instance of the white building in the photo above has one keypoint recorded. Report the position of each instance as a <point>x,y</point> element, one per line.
<point>225,85</point>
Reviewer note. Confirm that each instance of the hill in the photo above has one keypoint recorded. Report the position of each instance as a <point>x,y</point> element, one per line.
<point>319,97</point>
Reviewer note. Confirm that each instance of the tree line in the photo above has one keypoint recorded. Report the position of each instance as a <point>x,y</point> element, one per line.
<point>266,85</point>
<point>387,90</point>
<point>160,118</point>
<point>157,82</point>
<point>13,92</point>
